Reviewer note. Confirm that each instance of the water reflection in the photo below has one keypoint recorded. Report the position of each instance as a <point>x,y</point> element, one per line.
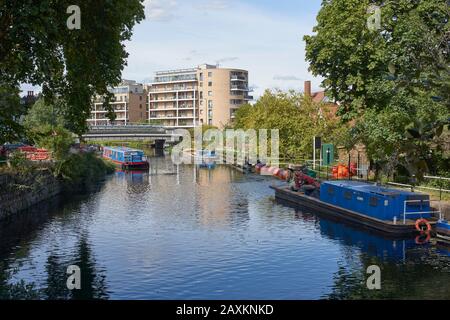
<point>183,232</point>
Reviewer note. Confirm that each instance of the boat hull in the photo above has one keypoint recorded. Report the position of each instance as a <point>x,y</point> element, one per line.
<point>345,215</point>
<point>443,230</point>
<point>144,165</point>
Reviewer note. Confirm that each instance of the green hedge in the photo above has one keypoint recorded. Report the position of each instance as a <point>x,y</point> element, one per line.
<point>79,170</point>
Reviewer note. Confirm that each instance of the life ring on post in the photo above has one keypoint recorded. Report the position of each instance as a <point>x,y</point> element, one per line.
<point>423,226</point>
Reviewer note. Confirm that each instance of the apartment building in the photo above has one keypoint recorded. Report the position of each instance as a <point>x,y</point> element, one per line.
<point>193,97</point>
<point>129,103</point>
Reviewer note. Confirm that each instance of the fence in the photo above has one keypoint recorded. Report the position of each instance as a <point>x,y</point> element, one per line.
<point>362,174</point>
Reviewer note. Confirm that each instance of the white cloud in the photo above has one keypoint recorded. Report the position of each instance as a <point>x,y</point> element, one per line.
<point>214,5</point>
<point>265,43</point>
<point>226,59</point>
<point>287,78</point>
<point>160,10</point>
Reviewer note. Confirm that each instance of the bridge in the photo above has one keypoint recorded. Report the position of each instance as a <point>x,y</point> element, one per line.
<point>148,133</point>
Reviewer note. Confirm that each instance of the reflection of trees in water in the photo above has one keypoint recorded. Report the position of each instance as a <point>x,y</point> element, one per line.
<point>22,229</point>
<point>93,282</point>
<point>408,280</point>
<point>16,291</point>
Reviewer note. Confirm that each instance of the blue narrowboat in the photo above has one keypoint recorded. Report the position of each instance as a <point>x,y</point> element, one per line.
<point>385,209</point>
<point>443,229</point>
<point>206,158</point>
<point>126,158</point>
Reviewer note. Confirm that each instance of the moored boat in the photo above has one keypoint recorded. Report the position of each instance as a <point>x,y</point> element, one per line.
<point>126,158</point>
<point>206,158</point>
<point>384,209</point>
<point>443,230</point>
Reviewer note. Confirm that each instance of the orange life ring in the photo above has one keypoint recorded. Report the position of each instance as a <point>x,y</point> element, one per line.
<point>421,240</point>
<point>421,222</point>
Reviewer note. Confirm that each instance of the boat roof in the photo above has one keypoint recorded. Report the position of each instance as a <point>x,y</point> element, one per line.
<point>123,149</point>
<point>370,188</point>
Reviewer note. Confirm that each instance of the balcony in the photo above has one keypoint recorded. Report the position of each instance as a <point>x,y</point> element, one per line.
<point>174,89</point>
<point>238,78</point>
<point>239,88</point>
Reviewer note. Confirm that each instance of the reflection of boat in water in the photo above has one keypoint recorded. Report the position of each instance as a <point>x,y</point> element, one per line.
<point>206,158</point>
<point>383,209</point>
<point>126,158</point>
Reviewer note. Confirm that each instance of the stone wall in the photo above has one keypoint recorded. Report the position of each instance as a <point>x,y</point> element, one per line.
<point>21,191</point>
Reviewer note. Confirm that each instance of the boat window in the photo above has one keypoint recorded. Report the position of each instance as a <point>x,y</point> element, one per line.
<point>373,201</point>
<point>348,195</point>
<point>330,190</point>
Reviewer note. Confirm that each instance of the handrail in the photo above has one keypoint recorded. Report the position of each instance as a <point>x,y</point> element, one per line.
<point>421,212</point>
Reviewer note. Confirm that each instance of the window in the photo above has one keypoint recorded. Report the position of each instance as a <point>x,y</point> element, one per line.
<point>201,84</point>
<point>201,94</point>
<point>210,104</point>
<point>210,93</point>
<point>209,74</point>
<point>348,195</point>
<point>373,202</point>
<point>140,98</point>
<point>210,122</point>
<point>201,76</point>
<point>210,84</point>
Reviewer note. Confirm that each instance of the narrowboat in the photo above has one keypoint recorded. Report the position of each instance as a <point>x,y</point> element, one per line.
<point>384,209</point>
<point>206,158</point>
<point>443,230</point>
<point>126,158</point>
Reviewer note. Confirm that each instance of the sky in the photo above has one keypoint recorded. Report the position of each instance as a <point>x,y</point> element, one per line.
<point>264,37</point>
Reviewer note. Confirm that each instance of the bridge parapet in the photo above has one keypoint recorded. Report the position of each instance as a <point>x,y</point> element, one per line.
<point>128,129</point>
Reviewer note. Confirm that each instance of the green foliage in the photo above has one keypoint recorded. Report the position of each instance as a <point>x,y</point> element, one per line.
<point>10,111</point>
<point>42,113</point>
<point>58,140</point>
<point>394,82</point>
<point>365,68</point>
<point>17,160</point>
<point>82,169</point>
<point>297,118</point>
<point>36,47</point>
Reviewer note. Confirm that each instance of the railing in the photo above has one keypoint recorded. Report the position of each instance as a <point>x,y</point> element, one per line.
<point>238,78</point>
<point>242,88</point>
<point>421,212</point>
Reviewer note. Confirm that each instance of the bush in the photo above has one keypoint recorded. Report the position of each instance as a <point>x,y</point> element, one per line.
<point>17,160</point>
<point>79,170</point>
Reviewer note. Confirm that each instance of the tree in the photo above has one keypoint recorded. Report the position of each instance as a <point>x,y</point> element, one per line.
<point>37,47</point>
<point>42,113</point>
<point>10,112</point>
<point>388,80</point>
<point>297,118</point>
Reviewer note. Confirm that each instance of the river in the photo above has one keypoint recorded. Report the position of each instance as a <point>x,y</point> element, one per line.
<point>189,233</point>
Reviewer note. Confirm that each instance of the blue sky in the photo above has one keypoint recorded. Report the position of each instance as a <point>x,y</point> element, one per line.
<point>262,36</point>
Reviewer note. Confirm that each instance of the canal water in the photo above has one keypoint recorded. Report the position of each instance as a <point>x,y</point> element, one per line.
<point>189,233</point>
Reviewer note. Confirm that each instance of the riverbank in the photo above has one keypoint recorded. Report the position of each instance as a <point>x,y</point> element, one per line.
<point>30,184</point>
